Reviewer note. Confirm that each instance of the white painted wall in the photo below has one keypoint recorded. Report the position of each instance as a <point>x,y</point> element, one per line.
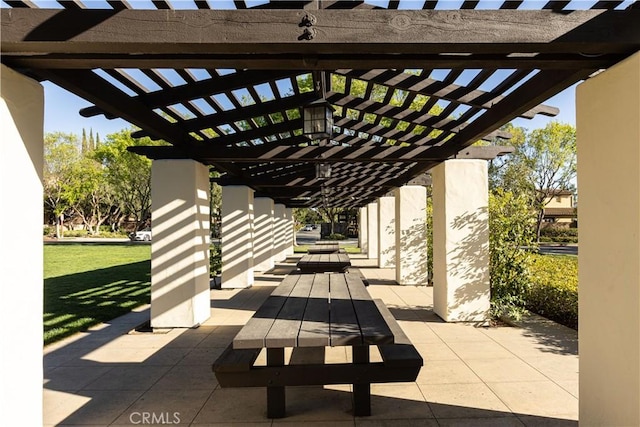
<point>263,233</point>
<point>21,264</point>
<point>608,132</point>
<point>288,232</point>
<point>372,230</point>
<point>237,237</point>
<point>411,235</point>
<point>279,233</point>
<point>363,228</point>
<point>386,232</point>
<point>461,290</point>
<point>180,245</point>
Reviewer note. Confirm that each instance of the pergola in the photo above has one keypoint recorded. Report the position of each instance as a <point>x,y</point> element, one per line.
<point>413,84</point>
<point>226,87</point>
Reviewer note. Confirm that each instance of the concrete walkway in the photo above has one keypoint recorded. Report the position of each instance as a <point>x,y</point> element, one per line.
<point>473,376</point>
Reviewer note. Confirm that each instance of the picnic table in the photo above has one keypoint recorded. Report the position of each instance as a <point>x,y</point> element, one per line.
<point>310,312</point>
<point>324,248</point>
<point>321,263</point>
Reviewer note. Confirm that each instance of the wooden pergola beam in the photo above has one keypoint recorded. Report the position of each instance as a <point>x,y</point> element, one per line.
<point>250,32</point>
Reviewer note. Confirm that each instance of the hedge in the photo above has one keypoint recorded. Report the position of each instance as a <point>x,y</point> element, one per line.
<point>554,289</point>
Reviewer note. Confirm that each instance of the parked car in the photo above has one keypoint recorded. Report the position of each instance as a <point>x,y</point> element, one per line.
<point>307,228</point>
<point>141,235</point>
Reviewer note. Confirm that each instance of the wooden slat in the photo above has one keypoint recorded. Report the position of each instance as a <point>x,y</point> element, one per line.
<point>373,326</point>
<point>253,334</point>
<point>314,330</point>
<point>402,353</point>
<point>285,329</point>
<point>233,360</point>
<point>345,329</point>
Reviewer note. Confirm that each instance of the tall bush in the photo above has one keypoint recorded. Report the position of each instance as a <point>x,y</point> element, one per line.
<point>512,235</point>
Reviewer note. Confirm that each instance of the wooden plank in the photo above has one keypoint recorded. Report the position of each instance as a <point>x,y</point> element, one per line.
<point>344,328</point>
<point>254,332</point>
<point>402,353</point>
<point>286,327</point>
<point>233,360</point>
<point>314,330</point>
<point>341,32</point>
<point>375,329</point>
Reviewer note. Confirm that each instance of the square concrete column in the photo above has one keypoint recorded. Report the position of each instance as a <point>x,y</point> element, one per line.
<point>608,136</point>
<point>372,230</point>
<point>288,232</point>
<point>263,233</point>
<point>279,232</point>
<point>180,244</point>
<point>461,291</point>
<point>21,292</point>
<point>237,237</point>
<point>363,228</point>
<point>386,232</point>
<point>411,235</point>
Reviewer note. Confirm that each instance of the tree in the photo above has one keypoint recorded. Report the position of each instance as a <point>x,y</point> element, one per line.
<point>543,163</point>
<point>128,174</point>
<point>60,154</point>
<point>89,193</point>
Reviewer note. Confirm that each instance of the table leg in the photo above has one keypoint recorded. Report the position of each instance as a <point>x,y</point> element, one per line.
<point>361,391</point>
<point>275,395</point>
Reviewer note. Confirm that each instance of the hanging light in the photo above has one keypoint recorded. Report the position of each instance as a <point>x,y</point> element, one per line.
<point>317,119</point>
<point>323,171</point>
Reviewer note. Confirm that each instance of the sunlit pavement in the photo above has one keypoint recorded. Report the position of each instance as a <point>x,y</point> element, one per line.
<point>473,376</point>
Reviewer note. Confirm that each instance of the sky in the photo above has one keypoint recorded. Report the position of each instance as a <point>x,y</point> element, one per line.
<point>62,113</point>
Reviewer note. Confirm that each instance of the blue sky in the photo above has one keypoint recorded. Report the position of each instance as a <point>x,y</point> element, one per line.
<point>62,113</point>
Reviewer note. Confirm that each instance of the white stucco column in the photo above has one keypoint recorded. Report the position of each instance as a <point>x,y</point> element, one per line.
<point>386,232</point>
<point>263,233</point>
<point>21,292</point>
<point>608,135</point>
<point>237,237</point>
<point>411,235</point>
<point>279,232</point>
<point>461,241</point>
<point>288,232</point>
<point>372,230</point>
<point>363,228</point>
<point>180,245</point>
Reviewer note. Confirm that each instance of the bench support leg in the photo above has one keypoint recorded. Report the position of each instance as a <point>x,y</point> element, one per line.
<point>275,395</point>
<point>361,392</point>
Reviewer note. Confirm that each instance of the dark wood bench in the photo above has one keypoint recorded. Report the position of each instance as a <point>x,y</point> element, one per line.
<point>324,249</point>
<point>321,263</point>
<point>373,325</point>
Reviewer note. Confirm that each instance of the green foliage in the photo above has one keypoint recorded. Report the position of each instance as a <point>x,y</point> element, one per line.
<point>87,284</point>
<point>336,236</point>
<point>215,259</point>
<point>554,288</point>
<point>511,232</point>
<point>559,234</point>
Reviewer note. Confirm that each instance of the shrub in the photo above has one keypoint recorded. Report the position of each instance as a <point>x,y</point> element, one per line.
<point>336,236</point>
<point>215,259</point>
<point>559,234</point>
<point>554,289</point>
<point>48,230</point>
<point>511,233</point>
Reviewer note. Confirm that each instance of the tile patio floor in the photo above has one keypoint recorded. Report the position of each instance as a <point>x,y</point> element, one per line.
<point>473,376</point>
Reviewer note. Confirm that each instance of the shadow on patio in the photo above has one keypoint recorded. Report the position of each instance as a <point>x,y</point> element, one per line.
<point>499,376</point>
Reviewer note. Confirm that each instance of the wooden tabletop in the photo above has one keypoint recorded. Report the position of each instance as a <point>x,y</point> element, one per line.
<point>320,263</point>
<point>314,310</point>
<point>324,249</point>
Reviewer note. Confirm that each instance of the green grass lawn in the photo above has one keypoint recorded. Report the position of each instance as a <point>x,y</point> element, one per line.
<point>87,284</point>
